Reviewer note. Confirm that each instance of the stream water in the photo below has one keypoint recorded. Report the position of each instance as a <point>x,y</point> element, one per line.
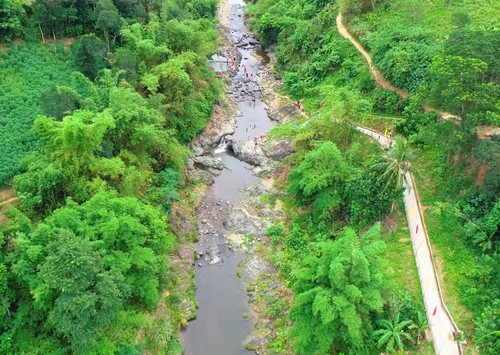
<point>219,327</point>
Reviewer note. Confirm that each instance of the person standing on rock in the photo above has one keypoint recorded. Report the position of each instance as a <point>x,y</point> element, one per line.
<point>256,143</point>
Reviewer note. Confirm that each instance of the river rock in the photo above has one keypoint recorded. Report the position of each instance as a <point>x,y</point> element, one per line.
<point>278,150</point>
<point>249,153</point>
<point>221,124</point>
<point>199,174</point>
<point>187,309</point>
<point>257,341</point>
<point>241,221</point>
<point>213,255</point>
<point>254,267</point>
<point>209,162</point>
<point>236,242</point>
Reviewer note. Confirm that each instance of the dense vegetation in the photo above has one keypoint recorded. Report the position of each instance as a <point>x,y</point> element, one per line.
<point>84,261</point>
<point>445,58</point>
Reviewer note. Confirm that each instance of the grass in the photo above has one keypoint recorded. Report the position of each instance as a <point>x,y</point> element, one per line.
<point>453,259</point>
<point>399,253</point>
<point>436,15</point>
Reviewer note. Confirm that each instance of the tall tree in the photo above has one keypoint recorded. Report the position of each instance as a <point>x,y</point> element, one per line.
<point>461,86</point>
<point>397,163</point>
<point>11,17</point>
<point>90,55</point>
<point>108,21</point>
<point>339,291</point>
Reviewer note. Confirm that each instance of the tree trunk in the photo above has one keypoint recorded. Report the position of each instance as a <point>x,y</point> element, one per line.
<point>41,33</point>
<point>106,36</point>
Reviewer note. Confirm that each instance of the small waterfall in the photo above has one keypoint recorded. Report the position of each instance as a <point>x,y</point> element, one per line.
<point>222,147</point>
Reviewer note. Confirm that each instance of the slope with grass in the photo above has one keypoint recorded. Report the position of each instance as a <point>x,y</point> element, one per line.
<point>26,73</point>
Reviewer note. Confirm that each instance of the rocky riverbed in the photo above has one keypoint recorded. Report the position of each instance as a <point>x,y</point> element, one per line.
<point>235,211</point>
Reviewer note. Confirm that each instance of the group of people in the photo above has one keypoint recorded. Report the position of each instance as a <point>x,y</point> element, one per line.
<point>297,104</point>
<point>262,137</point>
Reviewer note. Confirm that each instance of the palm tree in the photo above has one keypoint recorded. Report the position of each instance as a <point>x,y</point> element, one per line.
<point>393,332</point>
<point>397,164</point>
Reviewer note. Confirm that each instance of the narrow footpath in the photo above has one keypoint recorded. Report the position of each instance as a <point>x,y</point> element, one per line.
<point>377,75</point>
<point>443,329</point>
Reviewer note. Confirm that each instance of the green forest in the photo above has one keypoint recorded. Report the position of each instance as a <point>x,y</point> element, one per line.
<point>99,100</point>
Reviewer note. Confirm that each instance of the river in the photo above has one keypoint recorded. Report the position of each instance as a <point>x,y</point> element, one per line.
<point>220,325</point>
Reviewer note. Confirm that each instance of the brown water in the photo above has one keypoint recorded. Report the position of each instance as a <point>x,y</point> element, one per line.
<point>219,327</point>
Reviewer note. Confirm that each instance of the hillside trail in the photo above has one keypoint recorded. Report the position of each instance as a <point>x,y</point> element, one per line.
<point>9,201</point>
<point>377,75</point>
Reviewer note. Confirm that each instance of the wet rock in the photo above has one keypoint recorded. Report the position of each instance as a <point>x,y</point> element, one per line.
<point>209,162</point>
<point>257,341</point>
<point>197,151</point>
<point>188,309</point>
<point>264,171</point>
<point>278,150</point>
<point>215,172</point>
<point>213,255</point>
<point>249,153</point>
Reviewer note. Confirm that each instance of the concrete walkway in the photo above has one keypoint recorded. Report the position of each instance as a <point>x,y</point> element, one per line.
<point>443,328</point>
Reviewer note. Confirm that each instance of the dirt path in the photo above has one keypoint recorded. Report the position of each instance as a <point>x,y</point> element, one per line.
<point>9,201</point>
<point>377,75</point>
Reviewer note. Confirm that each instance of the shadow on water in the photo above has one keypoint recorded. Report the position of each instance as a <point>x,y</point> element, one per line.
<point>219,327</point>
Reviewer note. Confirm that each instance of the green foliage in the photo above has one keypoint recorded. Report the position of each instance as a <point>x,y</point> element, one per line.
<point>339,291</point>
<point>413,121</point>
<point>397,163</point>
<point>320,169</point>
<point>89,52</point>
<point>459,86</point>
<point>468,42</point>
<point>165,191</point>
<point>367,198</point>
<point>12,16</point>
<point>393,334</point>
<point>69,164</point>
<point>404,54</point>
<point>65,18</point>
<point>85,263</point>
<point>88,277</point>
<point>26,73</point>
<point>59,101</point>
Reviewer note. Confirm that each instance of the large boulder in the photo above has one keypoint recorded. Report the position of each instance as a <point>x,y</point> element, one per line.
<point>209,162</point>
<point>278,150</point>
<point>249,153</point>
<point>196,175</point>
<point>241,221</point>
